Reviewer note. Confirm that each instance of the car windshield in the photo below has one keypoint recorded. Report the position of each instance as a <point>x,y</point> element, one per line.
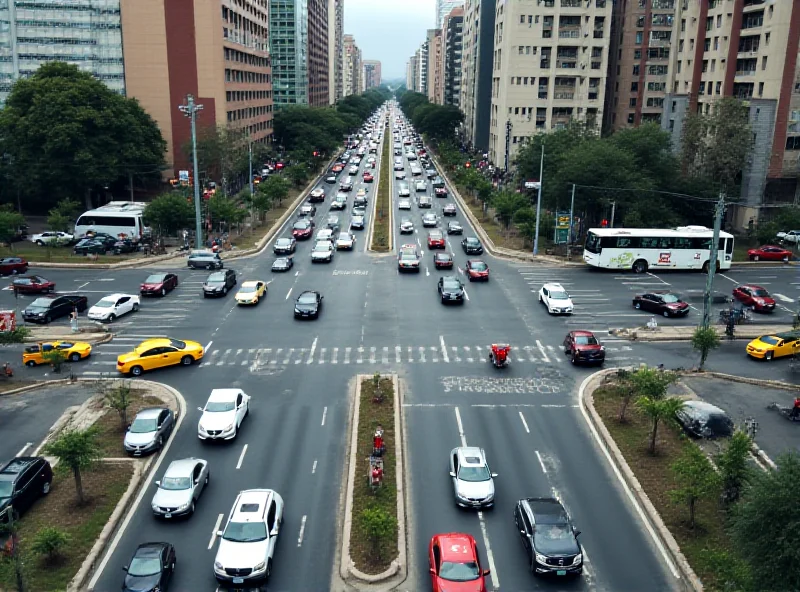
<point>670,298</point>
<point>479,266</point>
<point>552,532</point>
<point>220,406</point>
<point>177,344</point>
<point>40,303</point>
<point>5,489</point>
<point>760,292</point>
<point>769,339</point>
<point>558,295</point>
<point>472,242</point>
<point>586,340</point>
<point>474,474</point>
<point>459,572</point>
<point>247,289</point>
<point>283,241</point>
<point>302,225</point>
<point>142,425</point>
<point>343,236</point>
<point>216,277</point>
<point>144,566</point>
<point>321,247</point>
<point>175,483</point>
<point>245,532</point>
<point>307,299</point>
<point>105,303</point>
<point>442,256</point>
<point>408,255</point>
<point>154,279</point>
<point>200,254</point>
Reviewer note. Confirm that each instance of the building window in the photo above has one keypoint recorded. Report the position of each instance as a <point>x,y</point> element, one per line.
<point>634,87</point>
<point>716,43</point>
<point>631,117</point>
<point>637,54</point>
<point>719,88</point>
<point>793,143</point>
<point>636,70</point>
<point>764,63</point>
<point>760,89</point>
<point>632,102</point>
<point>639,37</point>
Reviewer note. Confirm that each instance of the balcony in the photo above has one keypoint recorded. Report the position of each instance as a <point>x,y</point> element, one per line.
<point>569,32</point>
<point>571,3</point>
<point>598,33</point>
<point>564,96</point>
<point>745,72</point>
<point>567,64</point>
<point>542,95</point>
<point>593,95</point>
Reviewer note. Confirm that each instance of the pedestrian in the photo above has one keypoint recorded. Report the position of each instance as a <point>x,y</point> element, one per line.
<point>73,320</point>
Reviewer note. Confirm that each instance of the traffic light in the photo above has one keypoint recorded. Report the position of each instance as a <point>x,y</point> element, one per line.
<point>316,153</point>
<point>604,223</point>
<point>467,164</point>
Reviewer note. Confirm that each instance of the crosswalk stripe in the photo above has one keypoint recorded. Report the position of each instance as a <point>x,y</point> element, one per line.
<point>397,353</point>
<point>372,355</point>
<point>529,350</point>
<point>410,354</point>
<point>422,355</point>
<point>288,355</point>
<point>335,358</point>
<point>468,354</point>
<point>277,354</point>
<point>385,356</point>
<point>545,359</point>
<point>434,354</point>
<point>347,355</point>
<point>455,354</point>
<point>360,356</point>
<point>555,354</point>
<point>224,357</point>
<point>302,355</point>
<point>321,356</point>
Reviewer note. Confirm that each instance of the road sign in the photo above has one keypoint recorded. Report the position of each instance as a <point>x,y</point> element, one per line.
<point>532,184</point>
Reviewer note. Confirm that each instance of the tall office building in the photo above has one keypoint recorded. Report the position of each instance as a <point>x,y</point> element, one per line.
<point>435,72</point>
<point>550,67</point>
<point>412,74</point>
<point>422,69</point>
<point>216,51</point>
<point>351,66</point>
<point>87,34</point>
<point>372,74</point>
<point>318,56</point>
<point>335,49</point>
<point>452,48</point>
<point>746,49</point>
<point>445,7</point>
<point>476,73</point>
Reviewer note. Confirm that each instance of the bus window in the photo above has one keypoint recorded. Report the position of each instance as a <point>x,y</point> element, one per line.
<point>593,243</point>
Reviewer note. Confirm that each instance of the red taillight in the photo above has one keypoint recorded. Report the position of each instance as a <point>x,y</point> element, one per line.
<point>120,363</point>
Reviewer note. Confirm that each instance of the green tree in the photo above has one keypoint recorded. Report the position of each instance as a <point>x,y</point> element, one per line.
<point>10,528</point>
<point>766,232</point>
<point>50,542</point>
<point>734,467</point>
<point>506,204</point>
<point>658,410</point>
<point>262,203</point>
<point>763,525</point>
<point>705,339</point>
<point>61,217</point>
<point>626,389</point>
<point>695,477</point>
<point>78,451</point>
<point>651,382</point>
<point>10,223</point>
<point>297,174</point>
<point>275,188</point>
<point>378,525</point>
<point>118,396</point>
<point>56,358</point>
<point>525,221</point>
<point>66,133</point>
<point>223,210</point>
<point>170,212</point>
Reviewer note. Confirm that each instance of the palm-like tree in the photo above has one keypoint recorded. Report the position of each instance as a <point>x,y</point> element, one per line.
<point>77,450</point>
<point>658,410</point>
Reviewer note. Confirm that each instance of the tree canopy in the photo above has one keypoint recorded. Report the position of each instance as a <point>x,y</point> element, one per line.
<point>437,122</point>
<point>66,134</point>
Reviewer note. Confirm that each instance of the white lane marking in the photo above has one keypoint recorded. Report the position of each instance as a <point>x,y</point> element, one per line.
<point>427,272</point>
<point>314,467</point>
<point>82,285</point>
<point>302,530</point>
<point>335,356</point>
<point>241,458</point>
<point>545,359</point>
<point>539,456</point>
<point>489,555</point>
<point>444,349</point>
<point>524,423</point>
<point>289,293</point>
<point>208,345</point>
<point>460,428</point>
<point>654,276</point>
<point>23,449</point>
<point>324,415</point>
<point>311,353</point>
<point>214,532</point>
<point>466,295</point>
<point>296,274</point>
<point>782,297</point>
<point>727,278</point>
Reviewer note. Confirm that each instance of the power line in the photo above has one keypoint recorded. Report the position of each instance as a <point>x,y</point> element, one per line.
<point>670,193</point>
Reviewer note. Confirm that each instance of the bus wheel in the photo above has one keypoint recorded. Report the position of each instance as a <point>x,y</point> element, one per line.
<point>705,267</point>
<point>640,266</point>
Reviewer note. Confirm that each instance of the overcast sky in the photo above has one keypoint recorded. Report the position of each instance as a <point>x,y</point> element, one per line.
<point>389,30</point>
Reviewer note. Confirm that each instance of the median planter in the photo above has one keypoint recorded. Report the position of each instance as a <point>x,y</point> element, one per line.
<point>381,228</point>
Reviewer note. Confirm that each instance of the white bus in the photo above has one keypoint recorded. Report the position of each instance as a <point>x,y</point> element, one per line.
<point>115,218</point>
<point>640,249</point>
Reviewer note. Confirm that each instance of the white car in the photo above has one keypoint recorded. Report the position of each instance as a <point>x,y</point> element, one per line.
<point>247,545</point>
<point>404,204</point>
<point>789,237</point>
<point>324,234</point>
<point>353,170</point>
<point>403,191</point>
<point>113,306</point>
<point>556,299</point>
<point>322,251</point>
<point>50,237</point>
<point>346,241</point>
<point>473,481</point>
<point>223,414</point>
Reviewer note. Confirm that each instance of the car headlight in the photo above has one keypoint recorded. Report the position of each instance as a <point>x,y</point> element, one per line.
<point>154,506</point>
<point>200,428</point>
<point>260,566</point>
<point>578,559</point>
<point>541,558</point>
<point>228,428</point>
<point>218,566</point>
<point>184,506</point>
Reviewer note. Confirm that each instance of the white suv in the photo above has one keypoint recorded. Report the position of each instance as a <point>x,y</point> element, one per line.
<point>247,545</point>
<point>556,299</point>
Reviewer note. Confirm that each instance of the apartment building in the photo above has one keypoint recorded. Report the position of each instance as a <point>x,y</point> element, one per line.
<point>412,74</point>
<point>476,71</point>
<point>335,49</point>
<point>452,50</point>
<point>435,70</point>
<point>88,35</point>
<point>351,62</point>
<point>372,74</point>
<point>216,51</point>
<point>445,7</point>
<point>422,60</point>
<point>550,65</point>
<point>318,55</point>
<point>641,48</point>
<point>746,49</point>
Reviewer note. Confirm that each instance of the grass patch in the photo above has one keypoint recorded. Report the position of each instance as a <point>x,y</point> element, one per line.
<point>111,432</point>
<point>33,252</point>
<point>372,414</point>
<point>9,385</point>
<point>104,486</point>
<point>709,540</point>
<point>381,230</point>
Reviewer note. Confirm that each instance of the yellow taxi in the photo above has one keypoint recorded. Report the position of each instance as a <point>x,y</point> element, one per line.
<point>768,347</point>
<point>251,292</point>
<point>152,354</point>
<point>73,351</point>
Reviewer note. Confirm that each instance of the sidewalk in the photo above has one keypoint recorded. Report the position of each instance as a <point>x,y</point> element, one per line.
<point>87,333</point>
<point>746,331</point>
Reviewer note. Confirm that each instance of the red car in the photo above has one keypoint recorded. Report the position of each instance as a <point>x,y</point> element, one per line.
<point>435,240</point>
<point>32,284</point>
<point>303,229</point>
<point>443,261</point>
<point>583,347</point>
<point>755,297</point>
<point>441,192</point>
<point>476,270</point>
<point>769,253</point>
<point>338,168</point>
<point>455,565</point>
<point>158,284</point>
<point>368,178</point>
<point>13,265</point>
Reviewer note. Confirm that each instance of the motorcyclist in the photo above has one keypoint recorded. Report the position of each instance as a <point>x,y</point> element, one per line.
<point>795,412</point>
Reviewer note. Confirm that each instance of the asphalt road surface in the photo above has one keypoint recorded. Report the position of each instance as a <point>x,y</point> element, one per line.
<point>375,319</point>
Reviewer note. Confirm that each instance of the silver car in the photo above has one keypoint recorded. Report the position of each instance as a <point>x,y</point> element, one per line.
<point>149,430</point>
<point>180,488</point>
<point>473,482</point>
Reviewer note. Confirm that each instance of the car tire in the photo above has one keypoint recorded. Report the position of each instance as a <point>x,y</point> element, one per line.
<point>40,243</point>
<point>163,292</point>
<point>268,572</point>
<point>247,410</point>
<point>46,488</point>
<point>47,320</point>
<point>137,371</point>
<point>224,290</point>
<point>192,508</point>
<point>637,305</point>
<point>75,357</point>
<point>769,356</point>
<point>209,266</point>
<point>160,443</point>
<point>112,317</point>
<point>574,359</point>
<point>30,364</point>
<point>666,313</point>
<point>208,476</point>
<point>786,259</point>
<point>187,361</point>
<point>135,308</point>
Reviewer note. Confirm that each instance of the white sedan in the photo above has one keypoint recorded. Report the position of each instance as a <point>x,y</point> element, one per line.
<point>46,238</point>
<point>113,306</point>
<point>223,414</point>
<point>556,299</point>
<point>404,204</point>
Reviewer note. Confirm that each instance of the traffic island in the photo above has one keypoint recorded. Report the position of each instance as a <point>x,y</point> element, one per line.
<point>373,537</point>
<point>381,236</point>
<point>744,331</point>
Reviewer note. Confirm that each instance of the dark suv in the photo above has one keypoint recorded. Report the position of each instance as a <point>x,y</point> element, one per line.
<point>23,480</point>
<point>548,536</point>
<point>53,306</point>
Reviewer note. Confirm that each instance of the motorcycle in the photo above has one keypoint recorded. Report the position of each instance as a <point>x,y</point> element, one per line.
<point>500,355</point>
<point>785,412</point>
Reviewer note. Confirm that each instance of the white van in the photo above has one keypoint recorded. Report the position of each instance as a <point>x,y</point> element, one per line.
<point>115,218</point>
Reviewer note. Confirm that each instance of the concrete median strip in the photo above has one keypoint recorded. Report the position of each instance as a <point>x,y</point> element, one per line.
<point>747,331</point>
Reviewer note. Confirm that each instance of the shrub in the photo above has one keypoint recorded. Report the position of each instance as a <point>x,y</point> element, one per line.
<point>49,542</point>
<point>378,524</point>
<point>18,335</point>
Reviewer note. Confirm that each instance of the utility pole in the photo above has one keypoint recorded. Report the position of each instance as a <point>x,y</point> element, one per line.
<point>130,182</point>
<point>538,204</point>
<point>190,110</point>
<point>252,193</point>
<point>712,260</point>
<point>571,217</point>
<point>613,210</point>
<point>508,143</point>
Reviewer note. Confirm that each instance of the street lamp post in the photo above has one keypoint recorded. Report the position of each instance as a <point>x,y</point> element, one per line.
<point>190,110</point>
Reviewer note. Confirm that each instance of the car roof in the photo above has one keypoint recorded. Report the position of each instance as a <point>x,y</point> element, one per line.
<point>582,333</point>
<point>452,545</point>
<point>704,407</point>
<point>250,283</point>
<point>554,286</point>
<point>150,412</point>
<point>224,394</point>
<point>545,510</point>
<point>434,232</point>
<point>182,467</point>
<point>443,254</point>
<point>154,342</point>
<point>116,295</point>
<point>752,287</point>
<point>470,455</point>
<point>17,465</point>
<point>251,497</point>
<point>150,549</point>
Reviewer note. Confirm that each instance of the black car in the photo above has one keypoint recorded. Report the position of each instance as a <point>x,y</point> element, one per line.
<point>308,304</point>
<point>663,303</point>
<point>90,246</point>
<point>455,228</point>
<point>53,306</point>
<point>704,420</point>
<point>104,237</point>
<point>451,289</point>
<point>150,569</point>
<point>125,245</point>
<point>430,173</point>
<point>219,282</point>
<point>438,182</point>
<point>283,264</point>
<point>549,537</point>
<point>23,480</point>
<point>472,246</point>
<point>202,259</point>
<point>284,245</point>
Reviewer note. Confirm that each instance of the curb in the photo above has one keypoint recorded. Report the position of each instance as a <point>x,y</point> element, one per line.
<point>94,337</point>
<point>664,540</point>
<point>644,334</point>
<point>398,567</point>
<point>39,384</point>
<point>131,263</point>
<point>754,381</point>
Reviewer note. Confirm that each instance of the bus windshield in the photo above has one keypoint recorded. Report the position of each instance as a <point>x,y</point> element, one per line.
<point>593,243</point>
